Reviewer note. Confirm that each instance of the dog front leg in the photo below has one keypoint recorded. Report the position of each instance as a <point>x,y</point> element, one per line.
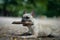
<point>35,35</point>
<point>30,36</point>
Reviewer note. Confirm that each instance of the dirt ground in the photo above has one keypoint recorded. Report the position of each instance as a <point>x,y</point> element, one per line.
<point>6,27</point>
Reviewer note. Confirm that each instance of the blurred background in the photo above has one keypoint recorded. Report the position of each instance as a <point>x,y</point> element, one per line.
<point>15,8</point>
<point>12,10</point>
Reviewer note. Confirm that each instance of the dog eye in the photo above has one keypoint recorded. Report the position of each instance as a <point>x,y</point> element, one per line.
<point>27,17</point>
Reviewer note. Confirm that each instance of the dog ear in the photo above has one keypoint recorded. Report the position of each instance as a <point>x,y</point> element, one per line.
<point>24,11</point>
<point>33,13</point>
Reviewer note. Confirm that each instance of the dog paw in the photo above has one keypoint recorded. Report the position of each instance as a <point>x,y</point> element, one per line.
<point>51,36</point>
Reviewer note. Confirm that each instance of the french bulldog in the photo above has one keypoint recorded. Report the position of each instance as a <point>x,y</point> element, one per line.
<point>38,28</point>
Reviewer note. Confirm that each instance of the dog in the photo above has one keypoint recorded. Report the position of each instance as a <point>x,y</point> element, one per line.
<point>38,28</point>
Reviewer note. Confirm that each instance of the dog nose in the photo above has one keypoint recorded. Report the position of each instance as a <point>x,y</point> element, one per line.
<point>23,20</point>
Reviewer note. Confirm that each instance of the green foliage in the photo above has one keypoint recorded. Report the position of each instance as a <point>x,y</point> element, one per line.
<point>53,8</point>
<point>41,7</point>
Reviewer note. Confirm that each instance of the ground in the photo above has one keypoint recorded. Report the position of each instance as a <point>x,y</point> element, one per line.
<point>7,27</point>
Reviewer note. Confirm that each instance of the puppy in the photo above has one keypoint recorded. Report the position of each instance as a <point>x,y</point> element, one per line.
<point>38,28</point>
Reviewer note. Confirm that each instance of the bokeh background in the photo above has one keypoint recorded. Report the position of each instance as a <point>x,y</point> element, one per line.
<point>15,8</point>
<point>12,10</point>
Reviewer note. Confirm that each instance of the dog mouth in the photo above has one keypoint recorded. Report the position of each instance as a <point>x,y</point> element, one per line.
<point>27,23</point>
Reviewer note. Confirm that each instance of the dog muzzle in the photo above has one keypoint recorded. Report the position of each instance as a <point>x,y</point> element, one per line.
<point>27,23</point>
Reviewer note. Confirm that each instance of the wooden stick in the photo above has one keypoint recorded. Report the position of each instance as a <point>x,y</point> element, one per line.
<point>16,22</point>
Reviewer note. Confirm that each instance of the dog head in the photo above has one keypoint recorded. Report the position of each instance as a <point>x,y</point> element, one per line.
<point>27,17</point>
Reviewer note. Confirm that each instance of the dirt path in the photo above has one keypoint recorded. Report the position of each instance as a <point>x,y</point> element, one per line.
<point>7,27</point>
